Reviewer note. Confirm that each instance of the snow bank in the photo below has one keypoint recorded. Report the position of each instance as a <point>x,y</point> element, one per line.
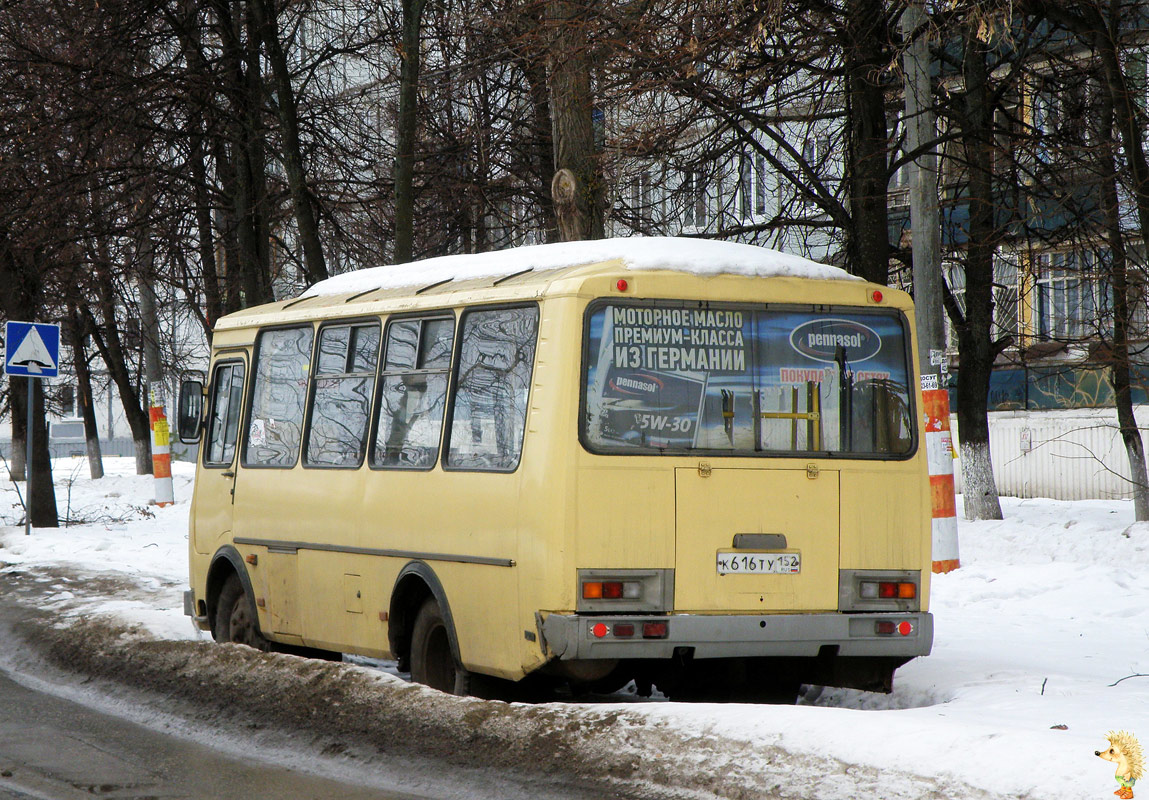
<point>699,256</point>
<point>1036,637</point>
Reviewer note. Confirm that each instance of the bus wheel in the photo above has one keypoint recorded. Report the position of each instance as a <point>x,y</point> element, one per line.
<point>235,618</point>
<point>432,662</point>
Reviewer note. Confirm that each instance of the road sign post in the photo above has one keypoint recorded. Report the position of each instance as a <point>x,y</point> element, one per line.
<point>31,351</point>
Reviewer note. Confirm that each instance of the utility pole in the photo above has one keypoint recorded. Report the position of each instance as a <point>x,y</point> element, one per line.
<point>153,367</point>
<point>925,229</point>
<point>925,221</point>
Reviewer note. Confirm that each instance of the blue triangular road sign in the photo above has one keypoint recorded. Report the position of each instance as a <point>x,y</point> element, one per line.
<point>32,349</point>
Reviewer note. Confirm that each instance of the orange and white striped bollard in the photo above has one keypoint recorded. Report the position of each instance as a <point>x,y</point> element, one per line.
<point>939,456</point>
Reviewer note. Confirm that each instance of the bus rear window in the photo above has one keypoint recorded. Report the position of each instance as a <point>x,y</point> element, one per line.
<point>744,381</point>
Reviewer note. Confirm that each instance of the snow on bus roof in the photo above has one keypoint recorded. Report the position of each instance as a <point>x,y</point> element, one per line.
<point>698,256</point>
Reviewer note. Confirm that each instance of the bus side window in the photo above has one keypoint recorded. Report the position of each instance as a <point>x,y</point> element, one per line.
<point>223,424</point>
<point>490,410</point>
<point>413,392</point>
<point>279,397</point>
<point>341,404</point>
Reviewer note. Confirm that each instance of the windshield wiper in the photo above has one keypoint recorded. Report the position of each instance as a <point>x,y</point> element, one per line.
<point>845,399</point>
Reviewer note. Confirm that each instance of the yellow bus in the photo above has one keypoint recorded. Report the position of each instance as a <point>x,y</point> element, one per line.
<point>695,465</point>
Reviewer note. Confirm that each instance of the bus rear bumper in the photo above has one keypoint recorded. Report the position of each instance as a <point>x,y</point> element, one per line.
<point>570,636</point>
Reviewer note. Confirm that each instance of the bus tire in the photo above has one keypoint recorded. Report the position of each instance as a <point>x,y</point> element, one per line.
<point>235,617</point>
<point>433,663</point>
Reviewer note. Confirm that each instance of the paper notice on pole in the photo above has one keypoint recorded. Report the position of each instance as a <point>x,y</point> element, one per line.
<point>937,357</point>
<point>929,382</point>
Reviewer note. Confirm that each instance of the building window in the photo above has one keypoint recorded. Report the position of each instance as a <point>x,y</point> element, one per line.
<point>816,152</point>
<point>66,401</point>
<point>1005,282</point>
<point>696,203</point>
<point>1005,279</point>
<point>955,279</point>
<point>1070,299</point>
<point>640,202</point>
<point>751,186</point>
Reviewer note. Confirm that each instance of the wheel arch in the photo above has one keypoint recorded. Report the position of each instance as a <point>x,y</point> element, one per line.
<point>415,584</point>
<point>226,561</point>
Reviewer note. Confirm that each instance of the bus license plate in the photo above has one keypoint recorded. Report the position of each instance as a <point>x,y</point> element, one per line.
<point>759,563</point>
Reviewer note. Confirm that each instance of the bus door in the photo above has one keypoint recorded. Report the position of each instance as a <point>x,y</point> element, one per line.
<point>215,485</point>
<point>270,451</point>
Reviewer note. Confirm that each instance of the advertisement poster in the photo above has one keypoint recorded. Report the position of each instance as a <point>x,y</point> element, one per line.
<point>741,379</point>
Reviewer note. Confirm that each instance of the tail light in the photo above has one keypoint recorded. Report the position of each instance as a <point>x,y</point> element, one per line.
<point>887,627</point>
<point>624,591</point>
<point>611,590</point>
<point>655,630</point>
<point>888,590</point>
<point>630,629</point>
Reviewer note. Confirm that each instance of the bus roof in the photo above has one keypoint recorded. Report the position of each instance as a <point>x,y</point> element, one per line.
<point>406,286</point>
<point>698,256</point>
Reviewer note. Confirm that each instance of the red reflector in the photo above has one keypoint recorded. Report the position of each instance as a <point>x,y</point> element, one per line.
<point>655,630</point>
<point>623,629</point>
<point>884,627</point>
<point>622,284</point>
<point>599,630</point>
<point>887,590</point>
<point>905,628</point>
<point>877,295</point>
<point>612,590</point>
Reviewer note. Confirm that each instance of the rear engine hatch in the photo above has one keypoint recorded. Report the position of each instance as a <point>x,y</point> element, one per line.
<point>787,526</point>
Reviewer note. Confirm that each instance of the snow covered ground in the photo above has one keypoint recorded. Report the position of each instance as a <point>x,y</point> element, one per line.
<point>1041,640</point>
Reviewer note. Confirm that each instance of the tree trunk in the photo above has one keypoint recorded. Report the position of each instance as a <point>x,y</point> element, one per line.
<point>19,443</point>
<point>227,221</point>
<point>21,275</point>
<point>406,133</point>
<point>245,166</point>
<point>1122,315</point>
<point>868,239</point>
<point>576,188</point>
<point>41,501</point>
<point>205,240</point>
<point>257,281</point>
<point>267,20</point>
<point>78,344</point>
<point>188,30</point>
<point>535,72</point>
<point>976,351</point>
<point>112,352</point>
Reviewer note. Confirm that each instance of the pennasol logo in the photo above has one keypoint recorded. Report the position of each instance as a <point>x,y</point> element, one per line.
<point>636,384</point>
<point>820,339</point>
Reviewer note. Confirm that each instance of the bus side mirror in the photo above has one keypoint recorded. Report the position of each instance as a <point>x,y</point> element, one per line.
<point>189,416</point>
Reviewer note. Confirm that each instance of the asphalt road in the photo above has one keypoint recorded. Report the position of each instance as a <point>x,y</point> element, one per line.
<point>53,749</point>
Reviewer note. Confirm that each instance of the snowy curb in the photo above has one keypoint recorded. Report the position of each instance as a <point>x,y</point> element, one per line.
<point>344,708</point>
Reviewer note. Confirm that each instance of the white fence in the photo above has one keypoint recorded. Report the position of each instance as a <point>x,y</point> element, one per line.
<point>1065,455</point>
